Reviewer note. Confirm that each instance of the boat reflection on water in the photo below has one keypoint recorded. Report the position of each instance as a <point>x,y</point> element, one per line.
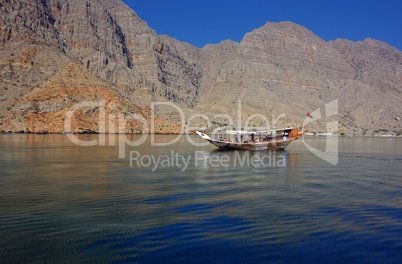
<point>223,159</point>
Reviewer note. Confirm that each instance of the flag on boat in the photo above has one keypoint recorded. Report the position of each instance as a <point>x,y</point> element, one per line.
<point>309,115</point>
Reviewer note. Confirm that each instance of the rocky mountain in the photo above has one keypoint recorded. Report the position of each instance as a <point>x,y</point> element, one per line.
<point>57,53</point>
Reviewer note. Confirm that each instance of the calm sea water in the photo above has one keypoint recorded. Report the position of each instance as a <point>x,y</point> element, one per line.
<point>60,202</point>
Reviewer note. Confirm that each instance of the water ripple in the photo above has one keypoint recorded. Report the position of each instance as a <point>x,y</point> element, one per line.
<point>63,203</point>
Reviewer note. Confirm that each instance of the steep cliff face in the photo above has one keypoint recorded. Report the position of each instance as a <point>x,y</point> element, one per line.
<point>374,62</point>
<point>24,20</point>
<point>179,69</point>
<point>29,49</point>
<point>114,44</point>
<point>106,36</point>
<point>374,91</point>
<point>285,68</point>
<point>280,68</point>
<point>39,38</point>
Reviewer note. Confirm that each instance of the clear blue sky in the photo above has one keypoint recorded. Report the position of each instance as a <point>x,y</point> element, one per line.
<point>211,21</point>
